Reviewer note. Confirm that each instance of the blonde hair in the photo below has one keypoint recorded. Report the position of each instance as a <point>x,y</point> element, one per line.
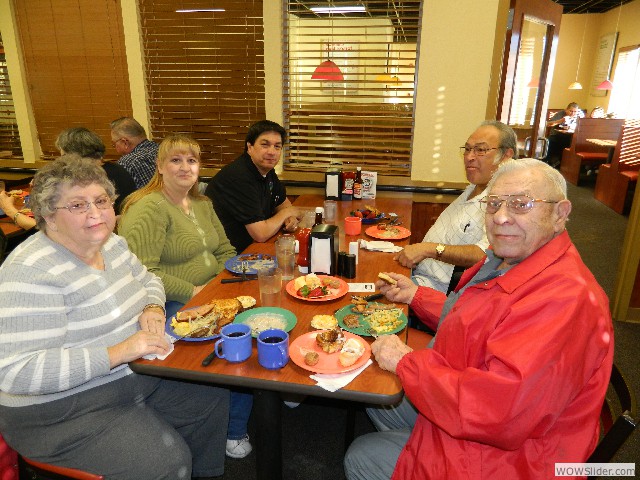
<point>172,143</point>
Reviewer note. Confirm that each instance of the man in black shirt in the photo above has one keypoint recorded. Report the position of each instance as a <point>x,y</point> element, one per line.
<point>247,195</point>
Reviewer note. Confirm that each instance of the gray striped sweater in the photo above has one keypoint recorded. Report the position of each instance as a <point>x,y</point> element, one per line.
<point>58,316</point>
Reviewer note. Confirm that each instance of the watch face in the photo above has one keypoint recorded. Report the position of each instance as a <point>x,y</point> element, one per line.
<point>440,249</point>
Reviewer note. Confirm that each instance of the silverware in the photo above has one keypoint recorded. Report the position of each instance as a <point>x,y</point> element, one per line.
<point>209,358</point>
<point>243,277</point>
<point>372,332</point>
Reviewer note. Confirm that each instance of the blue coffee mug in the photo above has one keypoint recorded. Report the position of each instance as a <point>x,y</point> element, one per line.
<point>273,348</point>
<point>235,342</point>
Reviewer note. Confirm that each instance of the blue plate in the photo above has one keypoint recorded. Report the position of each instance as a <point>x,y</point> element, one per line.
<point>255,261</point>
<point>169,330</point>
<point>369,221</point>
<point>253,314</point>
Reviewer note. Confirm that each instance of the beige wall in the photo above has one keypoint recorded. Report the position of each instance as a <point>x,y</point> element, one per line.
<point>571,31</point>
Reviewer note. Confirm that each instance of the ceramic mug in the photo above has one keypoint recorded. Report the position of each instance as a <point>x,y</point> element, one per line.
<point>235,342</point>
<point>273,348</point>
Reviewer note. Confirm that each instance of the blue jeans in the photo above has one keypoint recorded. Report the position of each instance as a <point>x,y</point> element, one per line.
<point>240,404</point>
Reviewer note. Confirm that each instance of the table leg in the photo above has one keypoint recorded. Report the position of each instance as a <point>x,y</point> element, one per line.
<point>267,408</point>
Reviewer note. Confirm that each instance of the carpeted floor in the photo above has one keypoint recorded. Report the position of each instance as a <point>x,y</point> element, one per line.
<point>313,443</point>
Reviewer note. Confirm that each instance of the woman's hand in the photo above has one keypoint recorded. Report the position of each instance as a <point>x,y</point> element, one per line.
<point>136,346</point>
<point>7,204</point>
<point>152,320</point>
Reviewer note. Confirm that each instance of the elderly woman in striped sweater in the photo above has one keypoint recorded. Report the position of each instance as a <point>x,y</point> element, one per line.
<point>75,307</point>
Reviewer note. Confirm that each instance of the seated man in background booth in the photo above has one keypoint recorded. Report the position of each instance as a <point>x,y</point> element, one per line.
<point>457,238</point>
<point>564,124</point>
<point>514,379</point>
<point>138,153</point>
<point>248,196</point>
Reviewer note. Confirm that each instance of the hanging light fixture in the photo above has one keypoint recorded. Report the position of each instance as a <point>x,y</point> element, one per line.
<point>576,85</point>
<point>328,71</point>
<point>607,84</point>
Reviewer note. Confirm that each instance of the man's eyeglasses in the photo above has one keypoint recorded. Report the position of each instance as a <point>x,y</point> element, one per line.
<point>479,151</point>
<point>81,206</point>
<point>517,204</point>
<point>113,144</point>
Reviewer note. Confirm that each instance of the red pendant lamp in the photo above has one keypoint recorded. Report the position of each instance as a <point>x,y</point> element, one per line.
<point>328,71</point>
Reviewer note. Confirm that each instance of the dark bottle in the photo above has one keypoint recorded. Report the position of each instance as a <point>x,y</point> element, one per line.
<point>318,220</point>
<point>346,185</point>
<point>357,185</point>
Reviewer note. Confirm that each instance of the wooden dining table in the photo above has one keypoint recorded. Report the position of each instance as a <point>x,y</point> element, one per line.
<point>373,385</point>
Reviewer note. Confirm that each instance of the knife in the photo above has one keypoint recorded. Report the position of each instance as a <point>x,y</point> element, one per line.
<point>209,358</point>
<point>237,279</point>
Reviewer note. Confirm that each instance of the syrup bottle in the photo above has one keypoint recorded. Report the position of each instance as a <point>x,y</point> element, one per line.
<point>357,185</point>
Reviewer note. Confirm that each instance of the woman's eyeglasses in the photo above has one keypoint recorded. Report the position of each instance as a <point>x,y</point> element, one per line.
<point>82,206</point>
<point>517,204</point>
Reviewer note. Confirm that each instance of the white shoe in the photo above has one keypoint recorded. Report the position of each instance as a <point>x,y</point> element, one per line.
<point>239,448</point>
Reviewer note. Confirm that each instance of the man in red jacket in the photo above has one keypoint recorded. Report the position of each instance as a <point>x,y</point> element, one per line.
<point>517,374</point>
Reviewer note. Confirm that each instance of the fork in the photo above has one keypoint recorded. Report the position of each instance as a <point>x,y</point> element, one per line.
<point>373,332</point>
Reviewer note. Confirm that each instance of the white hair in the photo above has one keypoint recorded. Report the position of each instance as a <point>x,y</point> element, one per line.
<point>554,177</point>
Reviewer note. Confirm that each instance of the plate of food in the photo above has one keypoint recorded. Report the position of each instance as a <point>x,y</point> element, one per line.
<point>198,324</point>
<point>388,232</point>
<point>361,316</point>
<point>265,318</point>
<point>368,214</point>
<point>255,261</point>
<point>317,288</point>
<point>329,351</point>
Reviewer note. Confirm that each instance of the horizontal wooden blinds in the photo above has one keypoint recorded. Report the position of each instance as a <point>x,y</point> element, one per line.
<point>349,86</point>
<point>75,64</point>
<point>9,136</point>
<point>205,71</point>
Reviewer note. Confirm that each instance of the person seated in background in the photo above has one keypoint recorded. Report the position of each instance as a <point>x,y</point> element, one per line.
<point>457,237</point>
<point>75,307</point>
<point>564,124</point>
<point>514,379</point>
<point>248,197</point>
<point>177,235</point>
<point>7,204</point>
<point>88,144</point>
<point>139,153</point>
<point>598,112</point>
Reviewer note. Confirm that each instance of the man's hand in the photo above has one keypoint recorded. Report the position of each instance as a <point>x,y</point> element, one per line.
<point>290,223</point>
<point>388,350</point>
<point>402,292</point>
<point>411,255</point>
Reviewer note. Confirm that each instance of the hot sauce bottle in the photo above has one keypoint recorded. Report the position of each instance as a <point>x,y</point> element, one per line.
<point>357,185</point>
<point>302,235</point>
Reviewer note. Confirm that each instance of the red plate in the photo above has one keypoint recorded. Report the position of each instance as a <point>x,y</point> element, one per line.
<point>334,293</point>
<point>328,362</point>
<point>376,233</point>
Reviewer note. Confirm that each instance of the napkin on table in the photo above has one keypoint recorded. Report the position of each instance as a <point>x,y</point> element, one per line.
<point>379,246</point>
<point>168,338</point>
<point>335,381</point>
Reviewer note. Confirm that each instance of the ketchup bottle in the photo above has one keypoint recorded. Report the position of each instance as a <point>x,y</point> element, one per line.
<point>302,236</point>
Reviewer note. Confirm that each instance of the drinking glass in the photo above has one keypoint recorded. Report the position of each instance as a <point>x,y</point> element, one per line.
<point>270,283</point>
<point>330,207</point>
<point>285,254</point>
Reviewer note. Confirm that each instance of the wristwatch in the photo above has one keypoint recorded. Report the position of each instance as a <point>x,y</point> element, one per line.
<point>440,250</point>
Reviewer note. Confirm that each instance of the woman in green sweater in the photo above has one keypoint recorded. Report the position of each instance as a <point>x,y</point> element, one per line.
<point>172,228</point>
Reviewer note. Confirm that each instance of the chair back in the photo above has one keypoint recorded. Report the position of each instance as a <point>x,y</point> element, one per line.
<point>616,429</point>
<point>626,155</point>
<point>44,470</point>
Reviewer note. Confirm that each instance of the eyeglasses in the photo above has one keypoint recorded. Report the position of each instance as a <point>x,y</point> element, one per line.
<point>81,206</point>
<point>517,204</point>
<point>479,151</point>
<point>113,144</point>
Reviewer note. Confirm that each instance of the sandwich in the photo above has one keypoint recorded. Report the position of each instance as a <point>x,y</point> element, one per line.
<point>387,278</point>
<point>351,351</point>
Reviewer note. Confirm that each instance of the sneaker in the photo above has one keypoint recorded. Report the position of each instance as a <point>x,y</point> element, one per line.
<point>239,448</point>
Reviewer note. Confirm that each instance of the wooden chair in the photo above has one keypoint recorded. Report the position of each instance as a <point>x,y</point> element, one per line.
<point>616,431</point>
<point>44,471</point>
<point>617,180</point>
<point>583,153</point>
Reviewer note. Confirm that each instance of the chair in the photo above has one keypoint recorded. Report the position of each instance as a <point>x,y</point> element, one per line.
<point>616,432</point>
<point>616,181</point>
<point>44,471</point>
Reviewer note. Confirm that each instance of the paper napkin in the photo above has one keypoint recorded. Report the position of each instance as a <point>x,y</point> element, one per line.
<point>171,341</point>
<point>379,246</point>
<point>333,382</point>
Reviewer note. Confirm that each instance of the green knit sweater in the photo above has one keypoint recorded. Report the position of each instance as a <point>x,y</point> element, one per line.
<point>183,250</point>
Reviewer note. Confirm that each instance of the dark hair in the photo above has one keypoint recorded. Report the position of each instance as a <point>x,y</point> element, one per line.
<point>261,127</point>
<point>508,137</point>
<point>572,105</point>
<point>82,141</point>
